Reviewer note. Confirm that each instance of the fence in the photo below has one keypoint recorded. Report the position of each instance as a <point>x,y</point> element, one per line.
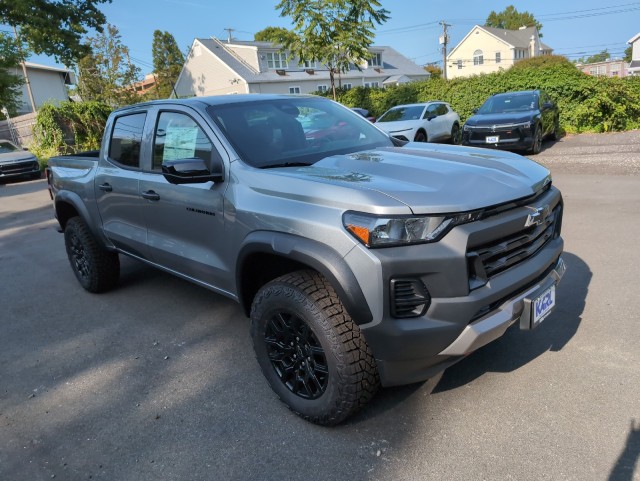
<point>22,127</point>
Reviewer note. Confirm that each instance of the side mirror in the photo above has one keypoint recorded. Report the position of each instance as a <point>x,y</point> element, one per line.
<point>192,171</point>
<point>547,105</point>
<point>431,117</point>
<point>475,111</point>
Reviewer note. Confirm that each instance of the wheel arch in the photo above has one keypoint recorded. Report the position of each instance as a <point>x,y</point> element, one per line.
<point>266,255</point>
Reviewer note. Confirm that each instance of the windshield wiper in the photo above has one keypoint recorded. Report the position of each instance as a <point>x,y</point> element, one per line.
<point>288,164</point>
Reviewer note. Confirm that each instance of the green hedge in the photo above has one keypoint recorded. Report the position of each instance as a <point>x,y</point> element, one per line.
<point>69,127</point>
<point>586,103</point>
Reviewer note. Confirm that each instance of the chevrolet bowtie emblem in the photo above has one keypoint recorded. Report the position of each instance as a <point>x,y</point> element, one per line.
<point>538,215</point>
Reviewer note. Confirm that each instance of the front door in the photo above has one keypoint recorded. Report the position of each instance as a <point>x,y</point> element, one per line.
<point>185,223</point>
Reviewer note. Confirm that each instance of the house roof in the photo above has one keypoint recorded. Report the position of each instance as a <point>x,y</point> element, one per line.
<point>517,38</point>
<point>634,64</point>
<point>38,66</point>
<point>393,64</point>
<point>634,38</point>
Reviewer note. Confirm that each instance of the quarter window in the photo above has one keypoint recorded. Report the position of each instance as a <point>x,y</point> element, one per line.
<point>478,58</point>
<point>126,139</point>
<point>177,136</point>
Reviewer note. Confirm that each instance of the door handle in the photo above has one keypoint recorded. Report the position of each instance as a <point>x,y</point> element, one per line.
<point>106,187</point>
<point>150,195</point>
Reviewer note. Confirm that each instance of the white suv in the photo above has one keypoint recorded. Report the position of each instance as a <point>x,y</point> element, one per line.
<point>426,122</point>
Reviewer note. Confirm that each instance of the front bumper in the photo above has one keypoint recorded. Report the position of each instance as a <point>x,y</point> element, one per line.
<point>22,167</point>
<point>508,139</point>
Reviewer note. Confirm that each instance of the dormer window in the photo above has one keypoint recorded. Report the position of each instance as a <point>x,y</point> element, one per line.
<point>310,65</point>
<point>375,60</point>
<point>277,60</point>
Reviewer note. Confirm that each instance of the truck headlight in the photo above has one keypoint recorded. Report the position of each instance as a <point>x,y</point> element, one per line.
<point>386,231</point>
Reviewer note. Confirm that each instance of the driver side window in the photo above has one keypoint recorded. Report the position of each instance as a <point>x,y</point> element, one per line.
<point>178,136</point>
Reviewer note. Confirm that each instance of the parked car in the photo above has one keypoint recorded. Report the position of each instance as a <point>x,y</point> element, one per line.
<point>426,122</point>
<point>16,162</point>
<point>360,260</point>
<point>513,121</point>
<point>364,113</point>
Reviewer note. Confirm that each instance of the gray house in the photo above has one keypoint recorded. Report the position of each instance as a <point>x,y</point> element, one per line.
<point>48,84</point>
<point>214,67</point>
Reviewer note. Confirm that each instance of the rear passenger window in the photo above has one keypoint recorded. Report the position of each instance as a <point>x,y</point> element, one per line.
<point>126,140</point>
<point>442,109</point>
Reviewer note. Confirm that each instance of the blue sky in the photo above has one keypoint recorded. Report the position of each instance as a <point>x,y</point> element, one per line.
<point>572,28</point>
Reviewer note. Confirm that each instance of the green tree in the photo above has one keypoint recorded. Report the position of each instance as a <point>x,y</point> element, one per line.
<point>107,74</point>
<point>511,19</point>
<point>271,34</point>
<point>336,33</point>
<point>54,27</point>
<point>599,57</point>
<point>627,53</point>
<point>10,84</point>
<point>167,62</point>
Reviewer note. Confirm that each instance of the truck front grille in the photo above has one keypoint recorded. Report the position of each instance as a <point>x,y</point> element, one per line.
<point>499,255</point>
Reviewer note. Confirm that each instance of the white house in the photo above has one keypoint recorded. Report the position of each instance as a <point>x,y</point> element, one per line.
<point>214,67</point>
<point>48,84</point>
<point>634,66</point>
<point>488,49</point>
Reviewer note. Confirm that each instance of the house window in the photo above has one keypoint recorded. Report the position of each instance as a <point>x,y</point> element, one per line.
<point>459,64</point>
<point>322,88</point>
<point>294,90</point>
<point>376,60</point>
<point>347,86</point>
<point>498,57</point>
<point>277,60</point>
<point>308,64</point>
<point>371,85</point>
<point>478,59</point>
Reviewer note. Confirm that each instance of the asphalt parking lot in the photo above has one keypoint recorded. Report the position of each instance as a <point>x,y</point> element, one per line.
<point>156,380</point>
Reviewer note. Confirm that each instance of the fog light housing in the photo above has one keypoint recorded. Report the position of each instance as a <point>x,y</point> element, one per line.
<point>409,298</point>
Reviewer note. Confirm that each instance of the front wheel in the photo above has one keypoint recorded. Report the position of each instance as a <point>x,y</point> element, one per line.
<point>312,354</point>
<point>536,147</point>
<point>456,135</point>
<point>96,268</point>
<point>420,137</point>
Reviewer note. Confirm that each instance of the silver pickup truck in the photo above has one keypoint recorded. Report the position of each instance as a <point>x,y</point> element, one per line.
<point>360,261</point>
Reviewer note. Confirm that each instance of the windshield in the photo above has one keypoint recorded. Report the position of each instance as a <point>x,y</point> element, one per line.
<point>294,131</point>
<point>7,147</point>
<point>402,113</point>
<point>500,104</point>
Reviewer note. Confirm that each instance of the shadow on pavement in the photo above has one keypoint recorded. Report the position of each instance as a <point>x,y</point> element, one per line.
<point>626,463</point>
<point>517,348</point>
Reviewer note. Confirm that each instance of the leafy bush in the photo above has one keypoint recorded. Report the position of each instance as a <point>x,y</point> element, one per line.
<point>586,103</point>
<point>70,127</point>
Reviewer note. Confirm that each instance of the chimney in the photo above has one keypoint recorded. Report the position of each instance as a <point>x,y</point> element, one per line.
<point>532,46</point>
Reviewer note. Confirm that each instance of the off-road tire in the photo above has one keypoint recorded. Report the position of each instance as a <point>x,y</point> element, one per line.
<point>536,147</point>
<point>340,360</point>
<point>96,268</point>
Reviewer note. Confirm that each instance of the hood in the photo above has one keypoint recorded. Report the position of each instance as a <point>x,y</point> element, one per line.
<point>426,178</point>
<point>19,156</point>
<point>499,119</point>
<point>398,125</point>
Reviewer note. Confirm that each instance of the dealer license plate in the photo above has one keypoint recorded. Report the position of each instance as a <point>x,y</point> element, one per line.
<point>542,306</point>
<point>493,139</point>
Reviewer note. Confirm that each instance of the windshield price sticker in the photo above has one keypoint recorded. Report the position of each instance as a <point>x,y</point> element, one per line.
<point>543,305</point>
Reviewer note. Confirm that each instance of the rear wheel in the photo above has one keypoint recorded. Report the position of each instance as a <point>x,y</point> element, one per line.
<point>311,352</point>
<point>421,136</point>
<point>96,268</point>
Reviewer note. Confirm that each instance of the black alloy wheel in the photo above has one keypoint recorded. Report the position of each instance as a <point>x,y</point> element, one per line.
<point>456,134</point>
<point>420,137</point>
<point>536,147</point>
<point>296,355</point>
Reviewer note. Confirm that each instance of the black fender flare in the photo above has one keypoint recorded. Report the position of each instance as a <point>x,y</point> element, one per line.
<point>317,256</point>
<point>75,201</point>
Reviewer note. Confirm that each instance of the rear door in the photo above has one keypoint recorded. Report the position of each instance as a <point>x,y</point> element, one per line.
<point>116,184</point>
<point>185,223</point>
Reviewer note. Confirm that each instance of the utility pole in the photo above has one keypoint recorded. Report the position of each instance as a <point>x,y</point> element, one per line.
<point>444,41</point>
<point>229,37</point>
<point>24,72</point>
